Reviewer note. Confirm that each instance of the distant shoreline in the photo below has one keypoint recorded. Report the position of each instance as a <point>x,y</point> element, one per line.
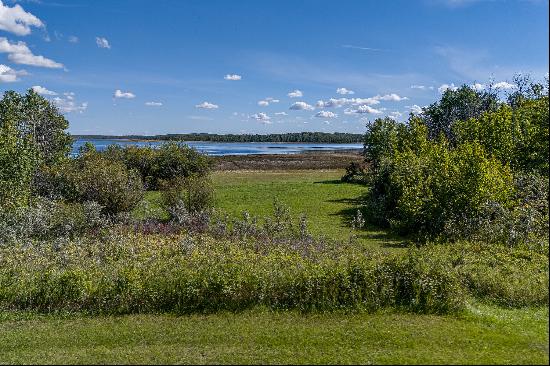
<point>288,138</point>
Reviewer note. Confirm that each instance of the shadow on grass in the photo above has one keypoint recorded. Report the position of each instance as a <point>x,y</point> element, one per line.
<point>338,181</point>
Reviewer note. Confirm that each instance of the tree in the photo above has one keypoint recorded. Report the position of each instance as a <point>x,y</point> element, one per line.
<point>39,120</point>
<point>455,105</point>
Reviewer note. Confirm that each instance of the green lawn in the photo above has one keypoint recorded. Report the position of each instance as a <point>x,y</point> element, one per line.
<point>487,335</point>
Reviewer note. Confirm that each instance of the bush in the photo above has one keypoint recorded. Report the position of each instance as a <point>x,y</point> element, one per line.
<point>355,173</point>
<point>171,160</point>
<point>193,194</point>
<point>418,193</point>
<point>92,177</point>
<point>47,219</point>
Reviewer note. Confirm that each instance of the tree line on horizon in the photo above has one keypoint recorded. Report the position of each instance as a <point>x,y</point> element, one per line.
<point>306,137</point>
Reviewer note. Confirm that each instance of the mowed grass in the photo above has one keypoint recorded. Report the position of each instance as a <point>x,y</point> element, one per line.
<point>486,335</point>
<point>328,204</point>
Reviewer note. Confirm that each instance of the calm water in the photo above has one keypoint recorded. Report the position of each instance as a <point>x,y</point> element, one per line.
<point>228,148</point>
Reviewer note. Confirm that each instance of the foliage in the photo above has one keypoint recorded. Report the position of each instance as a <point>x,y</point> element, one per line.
<point>49,219</point>
<point>38,120</point>
<point>457,105</point>
<point>191,194</point>
<point>17,162</point>
<point>92,177</point>
<point>171,160</point>
<point>355,173</point>
<point>449,173</point>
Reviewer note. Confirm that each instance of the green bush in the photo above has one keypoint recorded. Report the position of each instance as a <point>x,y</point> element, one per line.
<point>48,219</point>
<point>171,160</point>
<point>92,177</point>
<point>192,194</point>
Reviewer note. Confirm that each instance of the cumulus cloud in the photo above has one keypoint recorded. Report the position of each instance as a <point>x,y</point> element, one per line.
<point>444,87</point>
<point>344,91</point>
<point>102,42</point>
<point>301,106</point>
<point>478,86</point>
<point>422,87</point>
<point>233,77</point>
<point>271,100</point>
<point>416,109</point>
<point>367,109</point>
<point>73,39</point>
<point>263,103</point>
<point>281,114</point>
<point>207,105</point>
<point>295,94</point>
<point>390,97</point>
<point>67,104</point>
<point>19,53</point>
<point>263,117</point>
<point>504,85</point>
<point>339,102</point>
<point>17,21</point>
<point>125,95</point>
<point>325,114</point>
<point>153,104</point>
<point>9,75</point>
<point>395,114</point>
<point>43,91</point>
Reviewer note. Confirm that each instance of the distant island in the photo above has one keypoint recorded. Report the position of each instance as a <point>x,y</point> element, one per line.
<point>313,137</point>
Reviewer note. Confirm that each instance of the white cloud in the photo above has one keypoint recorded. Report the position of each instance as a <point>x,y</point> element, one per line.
<point>422,87</point>
<point>67,104</point>
<point>295,94</point>
<point>281,114</point>
<point>367,109</point>
<point>9,75</point>
<point>444,87</point>
<point>263,103</point>
<point>395,115</point>
<point>504,85</point>
<point>339,102</point>
<point>19,53</point>
<point>344,91</point>
<point>126,95</point>
<point>207,105</point>
<point>478,86</point>
<point>16,20</point>
<point>391,97</point>
<point>233,77</point>
<point>301,106</point>
<point>73,39</point>
<point>261,117</point>
<point>43,91</point>
<point>416,109</point>
<point>153,104</point>
<point>102,42</point>
<point>325,114</point>
<point>272,100</point>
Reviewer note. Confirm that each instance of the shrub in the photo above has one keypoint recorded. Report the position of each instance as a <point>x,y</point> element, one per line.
<point>47,219</point>
<point>155,165</point>
<point>418,193</point>
<point>355,173</point>
<point>193,194</point>
<point>92,177</point>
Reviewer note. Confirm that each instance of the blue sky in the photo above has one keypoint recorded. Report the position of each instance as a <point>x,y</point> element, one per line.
<point>155,67</point>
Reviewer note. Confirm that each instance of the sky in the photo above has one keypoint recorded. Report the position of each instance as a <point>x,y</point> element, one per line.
<point>181,66</point>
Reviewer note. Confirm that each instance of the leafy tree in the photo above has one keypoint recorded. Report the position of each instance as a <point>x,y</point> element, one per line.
<point>457,105</point>
<point>39,120</point>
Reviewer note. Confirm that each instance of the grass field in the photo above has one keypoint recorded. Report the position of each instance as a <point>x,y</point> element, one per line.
<point>482,334</point>
<point>329,205</point>
<point>487,335</point>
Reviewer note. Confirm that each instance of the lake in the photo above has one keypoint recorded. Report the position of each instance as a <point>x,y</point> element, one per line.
<point>226,148</point>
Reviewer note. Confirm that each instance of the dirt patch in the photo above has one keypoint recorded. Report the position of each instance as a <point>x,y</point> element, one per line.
<point>306,160</point>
